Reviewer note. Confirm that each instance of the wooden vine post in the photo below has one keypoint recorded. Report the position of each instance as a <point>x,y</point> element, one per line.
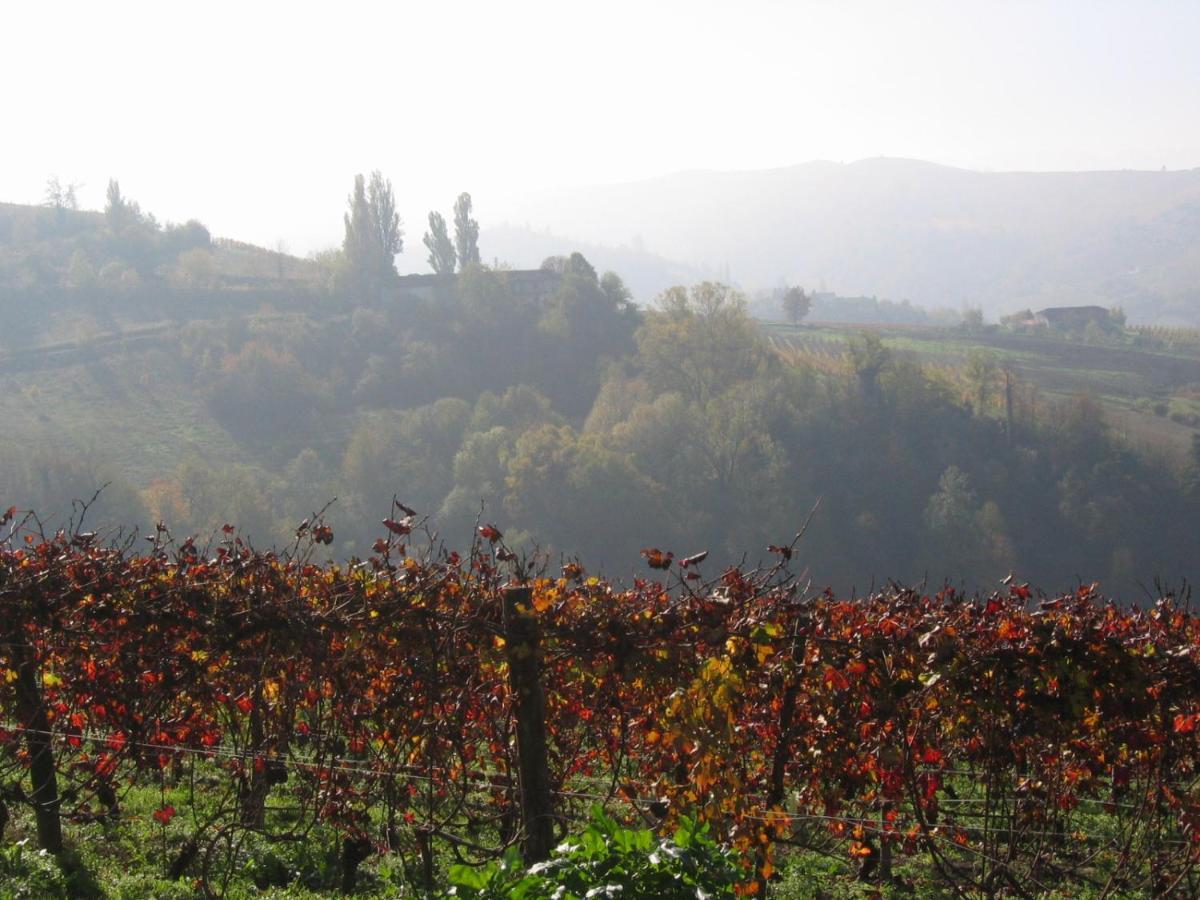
<point>522,642</point>
<point>31,710</point>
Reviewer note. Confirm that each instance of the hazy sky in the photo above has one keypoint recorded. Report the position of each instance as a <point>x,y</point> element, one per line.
<point>254,116</point>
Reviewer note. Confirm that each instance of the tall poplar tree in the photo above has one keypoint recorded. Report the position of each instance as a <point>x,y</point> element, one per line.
<point>373,233</point>
<point>442,255</point>
<point>385,222</point>
<point>466,232</point>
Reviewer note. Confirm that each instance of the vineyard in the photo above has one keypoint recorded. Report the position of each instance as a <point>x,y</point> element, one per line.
<point>433,708</point>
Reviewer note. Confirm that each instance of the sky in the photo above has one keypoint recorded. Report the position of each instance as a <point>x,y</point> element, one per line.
<point>254,116</point>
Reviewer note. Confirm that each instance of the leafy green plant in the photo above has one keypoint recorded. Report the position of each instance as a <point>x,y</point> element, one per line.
<point>610,860</point>
<point>30,873</point>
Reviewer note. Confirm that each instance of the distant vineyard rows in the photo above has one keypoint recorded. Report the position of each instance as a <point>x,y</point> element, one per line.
<point>1172,338</point>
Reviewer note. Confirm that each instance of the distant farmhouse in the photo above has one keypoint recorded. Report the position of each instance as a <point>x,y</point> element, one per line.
<point>1064,318</point>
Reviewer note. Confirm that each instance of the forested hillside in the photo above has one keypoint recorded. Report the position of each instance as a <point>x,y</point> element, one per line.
<point>207,382</point>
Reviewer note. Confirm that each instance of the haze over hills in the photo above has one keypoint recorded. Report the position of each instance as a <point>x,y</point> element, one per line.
<point>904,229</point>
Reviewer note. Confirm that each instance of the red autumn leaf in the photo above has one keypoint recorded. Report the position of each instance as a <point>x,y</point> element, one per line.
<point>245,704</point>
<point>165,815</point>
<point>1185,724</point>
<point>931,756</point>
<point>785,551</point>
<point>402,527</point>
<point>656,559</point>
<point>490,533</point>
<point>835,680</point>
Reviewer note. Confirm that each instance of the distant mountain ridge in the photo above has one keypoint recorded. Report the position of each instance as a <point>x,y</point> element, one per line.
<point>904,229</point>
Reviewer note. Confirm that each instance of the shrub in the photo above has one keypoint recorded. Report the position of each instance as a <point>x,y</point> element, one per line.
<point>609,860</point>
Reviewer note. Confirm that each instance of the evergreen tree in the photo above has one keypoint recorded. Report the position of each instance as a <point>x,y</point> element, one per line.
<point>466,232</point>
<point>442,256</point>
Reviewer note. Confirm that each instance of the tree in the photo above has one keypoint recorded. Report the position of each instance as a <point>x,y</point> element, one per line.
<point>442,255</point>
<point>981,373</point>
<point>466,232</point>
<point>356,245</point>
<point>796,304</point>
<point>373,233</point>
<point>120,212</point>
<point>700,342</point>
<point>616,291</point>
<point>385,221</point>
<point>868,360</point>
<point>60,197</point>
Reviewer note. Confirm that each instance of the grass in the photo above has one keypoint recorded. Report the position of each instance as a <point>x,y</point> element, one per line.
<point>129,858</point>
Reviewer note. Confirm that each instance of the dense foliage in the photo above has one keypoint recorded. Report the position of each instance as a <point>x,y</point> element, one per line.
<point>984,736</point>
